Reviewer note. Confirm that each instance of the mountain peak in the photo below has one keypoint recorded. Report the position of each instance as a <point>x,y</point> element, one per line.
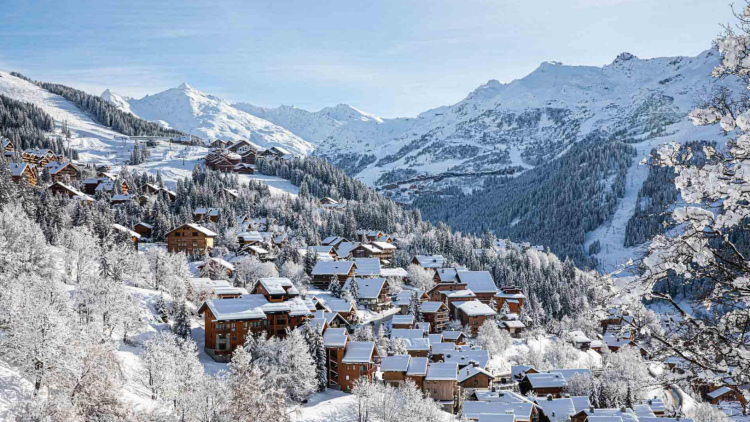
<point>624,57</point>
<point>184,86</point>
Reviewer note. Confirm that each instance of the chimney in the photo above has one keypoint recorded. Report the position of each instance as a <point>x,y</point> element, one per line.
<point>622,409</point>
<point>508,411</point>
<point>549,398</point>
<point>591,409</point>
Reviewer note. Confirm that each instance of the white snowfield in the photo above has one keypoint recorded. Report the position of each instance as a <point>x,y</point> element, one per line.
<point>97,144</point>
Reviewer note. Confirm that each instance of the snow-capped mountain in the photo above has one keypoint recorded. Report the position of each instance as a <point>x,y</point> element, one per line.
<point>508,125</point>
<point>190,110</point>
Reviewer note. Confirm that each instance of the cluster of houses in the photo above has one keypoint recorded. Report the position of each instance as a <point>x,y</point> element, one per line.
<point>241,156</point>
<point>35,161</point>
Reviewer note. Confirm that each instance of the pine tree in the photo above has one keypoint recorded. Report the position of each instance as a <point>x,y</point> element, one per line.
<point>161,309</point>
<point>334,287</point>
<point>181,325</point>
<point>354,289</point>
<point>415,307</point>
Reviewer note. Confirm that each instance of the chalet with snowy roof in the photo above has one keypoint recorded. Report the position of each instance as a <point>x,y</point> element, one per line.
<point>472,376</point>
<point>441,384</point>
<point>543,383</point>
<point>725,393</point>
<point>229,321</point>
<point>328,251</point>
<point>373,292</point>
<point>201,289</point>
<point>219,144</point>
<point>473,313</point>
<point>62,172</point>
<point>432,262</point>
<point>276,289</point>
<point>249,238</point>
<point>454,298</point>
<point>69,191</point>
<point>222,160</point>
<point>144,229</point>
<point>149,188</point>
<point>167,194</point>
<point>510,298</point>
<point>334,341</point>
<point>103,183</point>
<point>346,308</point>
<point>206,214</point>
<point>579,339</point>
<point>324,272</point>
<point>257,251</point>
<point>394,368</point>
<point>23,171</point>
<point>6,145</point>
<point>467,355</point>
<point>524,411</point>
<point>447,275</point>
<point>437,314</point>
<point>359,361</point>
<point>191,239</point>
<point>402,321</point>
<point>121,199</point>
<point>333,319</point>
<point>513,326</point>
<point>331,204</point>
<point>479,282</point>
<point>456,337</point>
<point>399,273</point>
<point>40,157</point>
<point>242,146</point>
<point>499,396</point>
<point>555,410</point>
<point>244,168</point>
<point>249,158</point>
<point>367,267</point>
<point>383,251</point>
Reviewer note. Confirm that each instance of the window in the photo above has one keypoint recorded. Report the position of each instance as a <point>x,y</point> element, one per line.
<point>195,233</point>
<point>177,234</point>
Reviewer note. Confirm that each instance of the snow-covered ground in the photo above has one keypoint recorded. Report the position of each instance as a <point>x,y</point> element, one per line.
<point>328,406</point>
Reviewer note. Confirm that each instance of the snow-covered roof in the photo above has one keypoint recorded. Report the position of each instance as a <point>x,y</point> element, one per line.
<point>332,240</point>
<point>476,308</point>
<point>503,396</point>
<point>430,261</point>
<point>578,336</point>
<point>407,333</point>
<point>442,371</point>
<point>278,285</point>
<point>17,169</point>
<point>452,335</point>
<point>657,405</point>
<point>443,348</point>
<point>513,323</point>
<point>487,417</point>
<point>358,352</point>
<point>544,380</point>
<point>447,275</point>
<point>719,392</point>
<point>122,197</point>
<point>393,272</point>
<point>580,402</point>
<point>54,167</point>
<point>255,248</point>
<point>510,295</point>
<point>464,357</point>
<point>335,337</point>
<point>417,367</point>
<point>655,419</point>
<point>473,409</point>
<point>611,415</point>
<point>127,231</point>
<point>604,418</point>
<point>435,338</point>
<point>432,307</point>
<point>402,319</point>
<point>470,371</point>
<point>221,291</point>
<point>367,267</point>
<point>339,305</point>
<point>477,281</point>
<point>417,344</point>
<point>369,288</point>
<point>642,411</point>
<point>569,373</point>
<point>222,263</point>
<point>424,326</point>
<point>458,293</point>
<point>253,307</point>
<point>197,228</point>
<point>396,363</point>
<point>345,248</point>
<point>384,246</point>
<point>333,268</point>
<point>556,410</point>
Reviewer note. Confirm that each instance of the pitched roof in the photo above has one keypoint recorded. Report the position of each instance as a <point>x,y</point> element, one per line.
<point>339,305</point>
<point>335,337</point>
<point>333,268</point>
<point>385,246</point>
<point>407,333</point>
<point>417,344</point>
<point>470,371</point>
<point>556,410</point>
<point>475,308</point>
<point>477,281</point>
<point>417,367</point>
<point>452,335</point>
<point>197,228</point>
<point>17,169</point>
<point>54,167</point>
<point>253,307</point>
<point>250,236</point>
<point>358,352</point>
<point>473,409</point>
<point>396,363</point>
<point>503,396</point>
<point>458,293</point>
<point>430,261</point>
<point>544,380</point>
<point>369,288</point>
<point>442,371</point>
<point>345,248</point>
<point>278,285</point>
<point>393,272</point>
<point>402,319</point>
<point>367,267</point>
<point>465,356</point>
<point>123,229</point>
<point>447,275</point>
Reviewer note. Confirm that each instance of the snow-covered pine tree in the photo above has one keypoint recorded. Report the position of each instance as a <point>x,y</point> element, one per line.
<point>334,287</point>
<point>181,326</point>
<point>161,309</point>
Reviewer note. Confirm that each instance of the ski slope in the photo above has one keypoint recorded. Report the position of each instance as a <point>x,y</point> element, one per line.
<point>99,145</point>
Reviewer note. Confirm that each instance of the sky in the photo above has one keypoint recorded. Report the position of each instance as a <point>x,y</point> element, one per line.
<point>394,58</point>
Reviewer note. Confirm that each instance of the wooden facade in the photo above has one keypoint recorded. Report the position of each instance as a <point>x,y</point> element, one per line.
<point>24,171</point>
<point>191,239</point>
<point>143,229</point>
<point>438,319</point>
<point>59,172</point>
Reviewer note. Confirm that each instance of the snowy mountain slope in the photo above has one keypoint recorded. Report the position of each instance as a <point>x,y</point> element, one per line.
<point>190,110</point>
<point>519,124</point>
<point>117,100</point>
<point>99,145</point>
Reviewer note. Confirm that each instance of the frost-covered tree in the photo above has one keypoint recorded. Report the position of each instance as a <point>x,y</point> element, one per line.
<point>249,270</point>
<point>491,338</point>
<point>716,336</point>
<point>420,278</point>
<point>181,325</point>
<point>252,398</point>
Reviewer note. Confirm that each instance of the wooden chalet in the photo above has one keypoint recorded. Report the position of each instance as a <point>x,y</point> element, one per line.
<point>473,376</point>
<point>40,157</point>
<point>394,369</point>
<point>334,341</point>
<point>437,314</point>
<point>473,313</point>
<point>6,145</point>
<point>62,172</point>
<point>206,214</point>
<point>144,229</point>
<point>402,321</point>
<point>346,308</point>
<point>121,199</point>
<point>150,188</point>
<point>222,160</point>
<point>623,414</point>
<point>724,393</point>
<point>373,292</point>
<point>218,144</point>
<point>229,321</point>
<point>134,237</point>
<point>249,157</point>
<point>69,191</point>
<point>543,383</point>
<point>23,171</point>
<point>191,239</point>
<point>241,147</point>
<point>441,384</point>
<point>324,272</point>
<point>275,289</point>
<point>334,241</point>
<point>358,361</point>
<point>510,298</point>
<point>455,337</point>
<point>231,193</point>
<point>104,183</point>
<point>243,168</point>
<point>431,262</point>
<point>480,283</point>
<point>217,266</point>
<point>439,291</point>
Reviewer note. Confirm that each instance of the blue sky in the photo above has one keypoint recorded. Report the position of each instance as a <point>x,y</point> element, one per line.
<point>391,58</point>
